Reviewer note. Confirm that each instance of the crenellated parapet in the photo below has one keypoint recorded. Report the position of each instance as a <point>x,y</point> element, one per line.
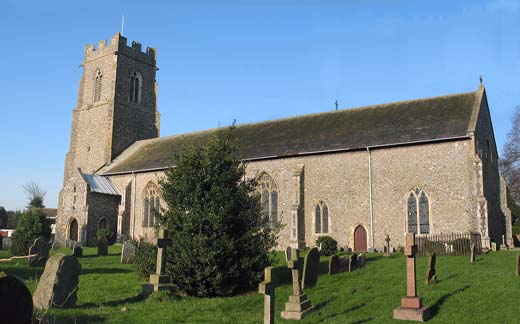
<point>118,45</point>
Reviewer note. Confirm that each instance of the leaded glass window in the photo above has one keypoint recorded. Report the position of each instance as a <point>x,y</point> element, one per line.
<point>135,87</point>
<point>418,212</point>
<point>151,205</point>
<point>268,197</point>
<point>321,214</point>
<point>146,209</point>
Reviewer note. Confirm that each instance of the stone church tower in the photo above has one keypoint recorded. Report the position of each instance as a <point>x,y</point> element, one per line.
<point>117,106</point>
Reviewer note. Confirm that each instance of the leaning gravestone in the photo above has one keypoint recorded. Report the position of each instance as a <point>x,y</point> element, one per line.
<point>77,250</point>
<point>40,249</point>
<point>58,284</point>
<point>431,277</point>
<point>311,267</point>
<point>16,305</point>
<point>334,265</point>
<point>473,250</point>
<point>102,246</point>
<point>128,252</point>
<point>352,264</point>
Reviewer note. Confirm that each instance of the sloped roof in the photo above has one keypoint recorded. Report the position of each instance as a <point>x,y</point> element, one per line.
<point>100,184</point>
<point>419,120</point>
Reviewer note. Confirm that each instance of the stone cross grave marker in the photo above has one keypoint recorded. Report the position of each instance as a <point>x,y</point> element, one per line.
<point>128,252</point>
<point>387,247</point>
<point>352,264</point>
<point>158,280</point>
<point>16,305</point>
<point>58,284</point>
<point>102,246</point>
<point>41,249</point>
<point>334,265</point>
<point>411,307</point>
<point>299,305</point>
<point>77,250</point>
<point>473,251</point>
<point>431,277</point>
<point>518,265</point>
<point>311,265</point>
<point>266,288</point>
<point>503,246</point>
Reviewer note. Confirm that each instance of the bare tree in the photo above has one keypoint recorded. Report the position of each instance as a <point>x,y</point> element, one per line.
<point>510,163</point>
<point>35,194</point>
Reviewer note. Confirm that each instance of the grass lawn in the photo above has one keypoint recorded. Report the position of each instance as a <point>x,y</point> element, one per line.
<point>484,292</point>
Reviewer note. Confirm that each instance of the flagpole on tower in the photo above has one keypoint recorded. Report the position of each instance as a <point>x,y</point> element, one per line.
<point>122,25</point>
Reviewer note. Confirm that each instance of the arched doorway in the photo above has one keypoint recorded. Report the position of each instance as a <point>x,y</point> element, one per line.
<point>360,239</point>
<point>73,230</point>
<point>102,223</point>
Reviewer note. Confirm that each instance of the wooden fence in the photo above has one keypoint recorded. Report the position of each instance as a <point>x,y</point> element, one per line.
<point>448,243</point>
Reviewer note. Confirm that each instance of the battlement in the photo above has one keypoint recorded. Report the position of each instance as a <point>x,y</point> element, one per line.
<point>118,44</point>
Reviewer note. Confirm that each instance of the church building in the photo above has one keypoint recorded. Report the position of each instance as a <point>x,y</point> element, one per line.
<point>425,166</point>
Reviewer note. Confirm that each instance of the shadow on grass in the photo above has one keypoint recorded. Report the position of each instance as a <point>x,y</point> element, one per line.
<point>453,275</point>
<point>104,271</point>
<point>366,320</point>
<point>346,311</point>
<point>88,256</point>
<point>24,273</point>
<point>74,319</point>
<point>434,309</point>
<point>128,300</point>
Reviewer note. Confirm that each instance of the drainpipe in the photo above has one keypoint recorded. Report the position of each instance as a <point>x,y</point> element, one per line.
<point>133,206</point>
<point>370,198</point>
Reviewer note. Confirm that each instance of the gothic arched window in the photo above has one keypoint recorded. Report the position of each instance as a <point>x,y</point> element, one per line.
<point>135,87</point>
<point>321,214</point>
<point>151,204</point>
<point>268,197</point>
<point>418,212</point>
<point>98,77</point>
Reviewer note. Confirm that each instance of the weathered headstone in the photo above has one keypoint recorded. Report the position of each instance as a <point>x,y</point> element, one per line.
<point>411,306</point>
<point>334,265</point>
<point>159,280</point>
<point>40,249</point>
<point>344,264</point>
<point>266,288</point>
<point>493,246</point>
<point>361,261</point>
<point>352,262</point>
<point>473,251</point>
<point>128,252</point>
<point>518,265</point>
<point>431,277</point>
<point>55,245</point>
<point>16,305</point>
<point>77,250</point>
<point>102,246</point>
<point>311,267</point>
<point>387,247</point>
<point>58,284</point>
<point>504,246</point>
<point>299,305</point>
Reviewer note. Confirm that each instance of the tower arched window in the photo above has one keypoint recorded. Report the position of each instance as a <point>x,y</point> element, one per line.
<point>418,212</point>
<point>151,204</point>
<point>98,78</point>
<point>135,87</point>
<point>321,221</point>
<point>268,197</point>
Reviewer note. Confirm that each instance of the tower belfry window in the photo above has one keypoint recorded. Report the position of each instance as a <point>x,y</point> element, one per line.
<point>97,85</point>
<point>135,88</point>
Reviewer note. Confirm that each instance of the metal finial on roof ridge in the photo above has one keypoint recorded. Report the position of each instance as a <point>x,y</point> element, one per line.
<point>336,103</point>
<point>481,80</point>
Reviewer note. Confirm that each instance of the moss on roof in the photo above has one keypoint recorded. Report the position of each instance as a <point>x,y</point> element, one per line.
<point>407,121</point>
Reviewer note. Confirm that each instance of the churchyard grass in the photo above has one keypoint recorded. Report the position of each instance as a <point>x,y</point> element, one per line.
<point>483,292</point>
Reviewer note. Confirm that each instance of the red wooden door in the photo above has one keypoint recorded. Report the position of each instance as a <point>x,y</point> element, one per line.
<point>360,239</point>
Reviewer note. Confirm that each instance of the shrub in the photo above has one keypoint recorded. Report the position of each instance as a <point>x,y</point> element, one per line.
<point>31,225</point>
<point>329,246</point>
<point>145,257</point>
<point>220,240</point>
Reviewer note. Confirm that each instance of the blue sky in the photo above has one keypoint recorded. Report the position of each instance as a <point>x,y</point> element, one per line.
<point>246,59</point>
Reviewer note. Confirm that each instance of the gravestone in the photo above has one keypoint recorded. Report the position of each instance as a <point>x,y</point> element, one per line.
<point>58,284</point>
<point>431,277</point>
<point>411,307</point>
<point>16,305</point>
<point>344,264</point>
<point>55,245</point>
<point>387,247</point>
<point>266,288</point>
<point>473,251</point>
<point>352,262</point>
<point>77,250</point>
<point>128,252</point>
<point>159,280</point>
<point>361,261</point>
<point>41,249</point>
<point>6,243</point>
<point>518,265</point>
<point>102,246</point>
<point>299,305</point>
<point>504,246</point>
<point>334,265</point>
<point>311,266</point>
<point>493,246</point>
